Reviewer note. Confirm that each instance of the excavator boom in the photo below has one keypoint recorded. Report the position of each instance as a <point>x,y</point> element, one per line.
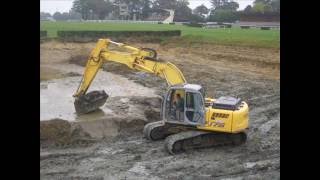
<point>141,59</point>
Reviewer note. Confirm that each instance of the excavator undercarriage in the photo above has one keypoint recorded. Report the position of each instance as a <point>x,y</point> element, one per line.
<point>180,138</point>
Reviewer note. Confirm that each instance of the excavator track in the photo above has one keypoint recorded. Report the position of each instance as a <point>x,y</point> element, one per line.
<point>156,131</point>
<point>90,101</point>
<point>188,140</point>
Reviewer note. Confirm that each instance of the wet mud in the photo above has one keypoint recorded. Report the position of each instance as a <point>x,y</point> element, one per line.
<point>108,144</point>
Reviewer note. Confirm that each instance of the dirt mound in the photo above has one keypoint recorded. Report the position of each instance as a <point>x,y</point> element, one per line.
<point>60,132</point>
<point>47,73</point>
<point>79,59</point>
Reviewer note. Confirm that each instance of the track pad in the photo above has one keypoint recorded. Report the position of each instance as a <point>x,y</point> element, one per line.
<point>90,101</point>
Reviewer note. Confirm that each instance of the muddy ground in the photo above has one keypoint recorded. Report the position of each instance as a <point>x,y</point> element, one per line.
<point>109,144</point>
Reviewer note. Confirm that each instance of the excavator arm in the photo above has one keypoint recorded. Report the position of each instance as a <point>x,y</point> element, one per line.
<point>141,59</point>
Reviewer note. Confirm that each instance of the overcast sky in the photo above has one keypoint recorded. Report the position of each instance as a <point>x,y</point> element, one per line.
<point>52,6</point>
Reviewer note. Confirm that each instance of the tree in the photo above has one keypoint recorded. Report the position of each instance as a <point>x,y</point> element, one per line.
<point>224,11</point>
<point>223,15</point>
<point>258,7</point>
<point>182,11</point>
<point>135,8</point>
<point>262,1</point>
<point>82,7</point>
<point>224,4</point>
<point>233,6</point>
<point>44,15</point>
<point>91,8</point>
<point>248,9</point>
<point>164,4</point>
<point>262,8</point>
<point>201,10</point>
<point>146,8</point>
<point>64,16</point>
<point>74,15</point>
<point>275,4</point>
<point>100,7</point>
<point>216,3</point>
<point>61,16</point>
<point>57,16</point>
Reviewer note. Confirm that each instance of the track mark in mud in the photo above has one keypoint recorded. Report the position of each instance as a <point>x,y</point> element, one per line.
<point>140,169</point>
<point>266,127</point>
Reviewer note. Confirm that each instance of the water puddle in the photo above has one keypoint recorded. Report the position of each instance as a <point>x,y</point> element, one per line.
<point>56,99</point>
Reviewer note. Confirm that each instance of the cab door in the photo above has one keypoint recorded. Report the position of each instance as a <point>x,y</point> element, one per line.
<point>194,108</point>
<point>167,110</point>
<point>169,106</point>
<point>172,109</point>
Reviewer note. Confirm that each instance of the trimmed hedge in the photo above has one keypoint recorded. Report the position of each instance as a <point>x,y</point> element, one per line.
<point>245,27</point>
<point>43,34</point>
<point>85,36</point>
<point>265,28</point>
<point>228,25</point>
<point>256,17</point>
<point>193,24</point>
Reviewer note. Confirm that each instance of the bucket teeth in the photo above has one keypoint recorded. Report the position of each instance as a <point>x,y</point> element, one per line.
<point>90,101</point>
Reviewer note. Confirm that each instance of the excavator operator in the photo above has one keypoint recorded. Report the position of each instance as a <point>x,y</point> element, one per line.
<point>179,107</point>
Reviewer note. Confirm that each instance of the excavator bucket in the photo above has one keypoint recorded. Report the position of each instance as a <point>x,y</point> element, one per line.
<point>90,101</point>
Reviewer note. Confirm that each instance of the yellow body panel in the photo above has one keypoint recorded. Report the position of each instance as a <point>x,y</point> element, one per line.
<point>226,120</point>
<point>241,118</point>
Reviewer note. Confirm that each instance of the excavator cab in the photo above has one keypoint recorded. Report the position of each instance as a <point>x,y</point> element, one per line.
<point>184,104</point>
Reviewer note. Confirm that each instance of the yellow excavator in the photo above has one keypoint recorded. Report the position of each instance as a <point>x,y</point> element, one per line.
<point>189,120</point>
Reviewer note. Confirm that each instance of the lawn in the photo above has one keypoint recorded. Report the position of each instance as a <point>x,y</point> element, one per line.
<point>229,36</point>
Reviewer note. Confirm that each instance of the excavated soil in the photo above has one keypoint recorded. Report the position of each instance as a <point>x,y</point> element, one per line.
<point>109,144</point>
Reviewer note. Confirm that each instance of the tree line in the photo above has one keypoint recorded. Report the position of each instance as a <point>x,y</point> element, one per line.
<point>220,10</point>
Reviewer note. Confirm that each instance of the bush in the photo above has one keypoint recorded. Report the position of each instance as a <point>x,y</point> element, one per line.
<point>159,22</point>
<point>222,15</point>
<point>95,35</point>
<point>245,27</point>
<point>172,23</point>
<point>43,34</point>
<point>228,26</point>
<point>193,24</point>
<point>196,18</point>
<point>265,28</point>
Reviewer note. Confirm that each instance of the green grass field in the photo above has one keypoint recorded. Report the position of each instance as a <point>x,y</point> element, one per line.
<point>232,36</point>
